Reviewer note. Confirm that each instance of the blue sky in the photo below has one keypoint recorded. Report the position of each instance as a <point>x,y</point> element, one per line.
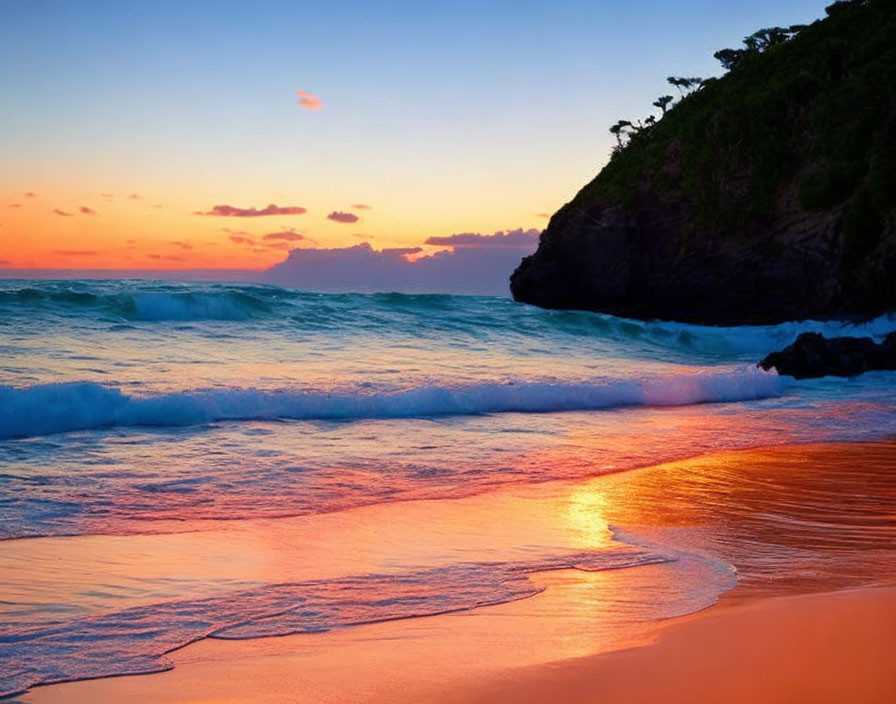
<point>469,116</point>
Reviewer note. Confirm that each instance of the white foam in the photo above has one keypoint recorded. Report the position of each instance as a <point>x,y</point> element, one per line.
<point>54,408</point>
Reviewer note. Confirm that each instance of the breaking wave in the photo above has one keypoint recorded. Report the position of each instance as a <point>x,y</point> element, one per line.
<point>53,408</point>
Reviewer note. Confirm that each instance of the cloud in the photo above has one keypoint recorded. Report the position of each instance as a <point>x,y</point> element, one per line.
<point>288,235</point>
<point>240,239</point>
<point>338,216</point>
<point>15,205</point>
<point>308,101</point>
<point>361,206</point>
<point>503,238</point>
<point>547,216</point>
<point>229,211</point>
<point>107,196</point>
<point>61,212</point>
<point>84,210</point>
<point>167,257</point>
<point>76,252</point>
<point>29,194</point>
<point>182,245</point>
<point>135,196</point>
<point>157,206</point>
<point>464,269</point>
<point>5,262</point>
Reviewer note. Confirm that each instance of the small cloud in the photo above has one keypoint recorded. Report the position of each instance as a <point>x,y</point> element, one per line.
<point>135,196</point>
<point>338,216</point>
<point>76,252</point>
<point>107,196</point>
<point>229,211</point>
<point>5,262</point>
<point>288,235</point>
<point>546,216</point>
<point>29,194</point>
<point>361,206</point>
<point>157,206</point>
<point>61,212</point>
<point>131,243</point>
<point>84,210</point>
<point>503,238</point>
<point>15,205</point>
<point>239,239</point>
<point>181,244</point>
<point>167,257</point>
<point>275,245</point>
<point>308,101</point>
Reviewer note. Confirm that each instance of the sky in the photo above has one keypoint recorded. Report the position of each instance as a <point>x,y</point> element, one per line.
<point>186,135</point>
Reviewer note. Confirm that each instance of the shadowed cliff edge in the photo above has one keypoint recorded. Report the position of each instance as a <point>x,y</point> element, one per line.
<point>766,195</point>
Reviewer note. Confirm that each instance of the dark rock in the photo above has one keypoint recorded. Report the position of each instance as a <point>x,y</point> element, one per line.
<point>813,355</point>
<point>768,195</point>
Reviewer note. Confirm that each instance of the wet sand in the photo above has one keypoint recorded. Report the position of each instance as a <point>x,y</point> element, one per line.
<point>805,526</point>
<point>820,648</point>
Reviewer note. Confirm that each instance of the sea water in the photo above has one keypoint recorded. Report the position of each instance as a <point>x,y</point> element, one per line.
<point>139,411</point>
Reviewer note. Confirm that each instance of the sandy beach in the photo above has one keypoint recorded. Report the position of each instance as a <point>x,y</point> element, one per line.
<point>810,632</point>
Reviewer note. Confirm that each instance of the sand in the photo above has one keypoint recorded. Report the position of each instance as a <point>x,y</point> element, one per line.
<point>807,637</point>
<point>836,647</point>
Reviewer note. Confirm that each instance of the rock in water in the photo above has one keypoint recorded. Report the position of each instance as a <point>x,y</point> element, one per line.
<point>767,195</point>
<point>813,355</point>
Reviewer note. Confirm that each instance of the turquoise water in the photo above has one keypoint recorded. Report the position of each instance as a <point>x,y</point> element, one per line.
<point>128,405</point>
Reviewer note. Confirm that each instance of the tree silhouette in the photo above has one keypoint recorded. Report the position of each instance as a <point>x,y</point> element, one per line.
<point>663,103</point>
<point>729,58</point>
<point>685,85</point>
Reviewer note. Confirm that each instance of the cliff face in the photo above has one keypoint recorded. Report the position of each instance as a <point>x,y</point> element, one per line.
<point>768,195</point>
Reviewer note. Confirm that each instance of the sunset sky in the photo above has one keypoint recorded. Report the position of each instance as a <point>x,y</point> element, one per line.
<point>220,135</point>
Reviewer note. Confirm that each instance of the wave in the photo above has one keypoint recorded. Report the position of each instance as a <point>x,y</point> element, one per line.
<point>139,637</point>
<point>477,318</point>
<point>53,408</point>
<point>169,304</point>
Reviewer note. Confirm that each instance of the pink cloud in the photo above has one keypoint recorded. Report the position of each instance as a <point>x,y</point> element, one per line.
<point>29,194</point>
<point>134,196</point>
<point>239,239</point>
<point>503,238</point>
<point>308,101</point>
<point>182,245</point>
<point>233,212</point>
<point>361,206</point>
<point>288,235</point>
<point>61,212</point>
<point>338,216</point>
<point>76,252</point>
<point>84,210</point>
<point>15,205</point>
<point>362,268</point>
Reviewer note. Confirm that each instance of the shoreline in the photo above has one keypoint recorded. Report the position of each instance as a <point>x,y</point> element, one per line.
<point>572,630</point>
<point>825,648</point>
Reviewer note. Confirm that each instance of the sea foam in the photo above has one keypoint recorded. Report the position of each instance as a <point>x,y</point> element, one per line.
<point>53,408</point>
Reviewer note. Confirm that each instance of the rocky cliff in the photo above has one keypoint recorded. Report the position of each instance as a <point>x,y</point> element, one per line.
<point>766,195</point>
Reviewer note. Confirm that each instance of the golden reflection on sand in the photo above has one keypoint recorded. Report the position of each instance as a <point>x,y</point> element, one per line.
<point>791,519</point>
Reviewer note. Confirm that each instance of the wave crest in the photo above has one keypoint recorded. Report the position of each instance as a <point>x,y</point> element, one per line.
<point>53,408</point>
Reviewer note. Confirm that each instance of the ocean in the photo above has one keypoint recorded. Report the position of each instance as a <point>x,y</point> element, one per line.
<point>151,432</point>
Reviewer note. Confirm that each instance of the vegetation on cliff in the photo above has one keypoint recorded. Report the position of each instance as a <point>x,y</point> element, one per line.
<point>802,126</point>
